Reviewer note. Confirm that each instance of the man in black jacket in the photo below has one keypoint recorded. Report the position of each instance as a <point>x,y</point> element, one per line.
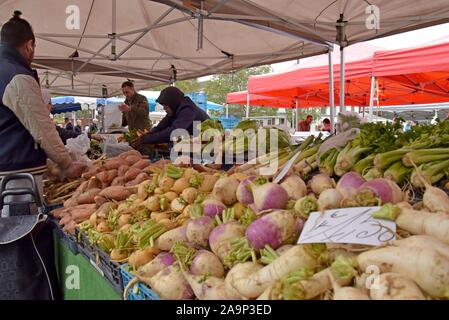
<point>181,114</point>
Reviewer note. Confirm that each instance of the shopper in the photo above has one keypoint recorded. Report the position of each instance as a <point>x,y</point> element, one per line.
<point>305,124</point>
<point>181,113</point>
<point>65,134</point>
<point>68,124</point>
<point>93,128</point>
<point>27,137</point>
<point>327,125</point>
<point>79,127</point>
<point>136,111</point>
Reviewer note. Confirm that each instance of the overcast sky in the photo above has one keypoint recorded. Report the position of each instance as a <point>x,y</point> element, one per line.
<point>404,40</point>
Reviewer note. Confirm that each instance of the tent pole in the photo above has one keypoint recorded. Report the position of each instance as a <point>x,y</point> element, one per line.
<point>331,91</point>
<point>227,111</point>
<point>342,78</point>
<point>247,105</point>
<point>297,116</point>
<point>371,100</point>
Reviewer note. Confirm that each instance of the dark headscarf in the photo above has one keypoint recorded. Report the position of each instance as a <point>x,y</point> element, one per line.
<point>171,96</point>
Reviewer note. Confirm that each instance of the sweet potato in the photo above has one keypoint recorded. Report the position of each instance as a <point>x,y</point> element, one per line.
<point>129,153</point>
<point>118,181</point>
<point>80,215</point>
<point>59,212</point>
<point>141,177</point>
<point>112,174</point>
<point>132,173</point>
<point>141,164</point>
<point>100,200</point>
<point>122,170</point>
<point>92,172</point>
<point>88,196</point>
<point>71,202</point>
<point>70,227</point>
<point>93,183</point>
<point>103,177</point>
<point>103,210</point>
<point>133,159</point>
<point>115,163</point>
<point>117,193</point>
<point>65,219</point>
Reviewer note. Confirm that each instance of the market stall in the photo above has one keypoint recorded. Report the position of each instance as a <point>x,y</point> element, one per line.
<point>183,226</point>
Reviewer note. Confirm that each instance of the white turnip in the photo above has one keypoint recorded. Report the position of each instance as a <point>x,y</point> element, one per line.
<point>427,268</point>
<point>221,237</point>
<point>321,182</point>
<point>394,286</point>
<point>166,241</point>
<point>244,193</point>
<point>198,230</point>
<point>170,284</point>
<point>225,190</point>
<point>329,199</point>
<point>379,190</point>
<point>211,288</point>
<point>295,187</point>
<point>206,263</point>
<point>213,207</point>
<point>349,183</point>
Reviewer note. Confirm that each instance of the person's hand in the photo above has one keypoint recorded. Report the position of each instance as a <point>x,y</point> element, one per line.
<point>124,107</point>
<point>75,170</point>
<point>136,143</point>
<point>97,137</point>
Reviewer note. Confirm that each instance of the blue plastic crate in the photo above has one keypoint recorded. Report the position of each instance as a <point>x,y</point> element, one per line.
<point>139,291</point>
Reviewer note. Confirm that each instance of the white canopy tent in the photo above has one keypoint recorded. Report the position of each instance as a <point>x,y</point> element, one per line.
<point>161,41</point>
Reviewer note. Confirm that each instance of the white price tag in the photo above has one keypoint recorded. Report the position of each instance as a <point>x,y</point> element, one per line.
<point>348,225</point>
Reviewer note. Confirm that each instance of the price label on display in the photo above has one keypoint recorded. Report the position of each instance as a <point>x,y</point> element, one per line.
<point>348,225</point>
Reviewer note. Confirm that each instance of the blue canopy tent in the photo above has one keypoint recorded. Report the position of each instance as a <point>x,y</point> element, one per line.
<point>214,106</point>
<point>64,104</point>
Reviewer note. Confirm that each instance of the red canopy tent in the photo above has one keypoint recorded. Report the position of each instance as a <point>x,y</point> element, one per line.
<point>241,97</point>
<point>408,76</point>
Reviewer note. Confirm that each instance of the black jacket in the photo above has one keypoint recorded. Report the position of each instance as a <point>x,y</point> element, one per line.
<point>18,151</point>
<point>185,114</point>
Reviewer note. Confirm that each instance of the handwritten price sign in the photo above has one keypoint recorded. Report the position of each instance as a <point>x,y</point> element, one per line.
<point>347,225</point>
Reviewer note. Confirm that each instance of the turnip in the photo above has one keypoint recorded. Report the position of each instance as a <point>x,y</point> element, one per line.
<point>274,229</point>
<point>427,268</point>
<point>166,241</point>
<point>295,187</point>
<point>189,195</point>
<point>349,183</point>
<point>329,199</point>
<point>237,276</point>
<point>394,286</point>
<point>207,183</point>
<point>198,230</point>
<point>166,183</point>
<point>170,196</point>
<point>321,182</point>
<point>244,193</point>
<point>180,185</point>
<point>270,196</point>
<point>225,190</point>
<point>213,207</point>
<point>206,263</point>
<point>141,257</point>
<point>239,210</point>
<point>421,222</point>
<point>300,256</point>
<point>177,205</point>
<point>306,205</point>
<point>211,288</point>
<point>152,203</point>
<point>170,284</point>
<point>349,293</point>
<point>151,268</point>
<point>221,237</point>
<point>198,262</point>
<point>378,191</point>
<point>424,242</point>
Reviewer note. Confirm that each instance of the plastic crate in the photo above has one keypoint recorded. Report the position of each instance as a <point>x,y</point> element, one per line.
<point>67,239</point>
<point>139,291</point>
<point>47,208</point>
<point>111,270</point>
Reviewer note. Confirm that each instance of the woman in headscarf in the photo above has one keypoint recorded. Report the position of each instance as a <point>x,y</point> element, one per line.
<point>182,112</point>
